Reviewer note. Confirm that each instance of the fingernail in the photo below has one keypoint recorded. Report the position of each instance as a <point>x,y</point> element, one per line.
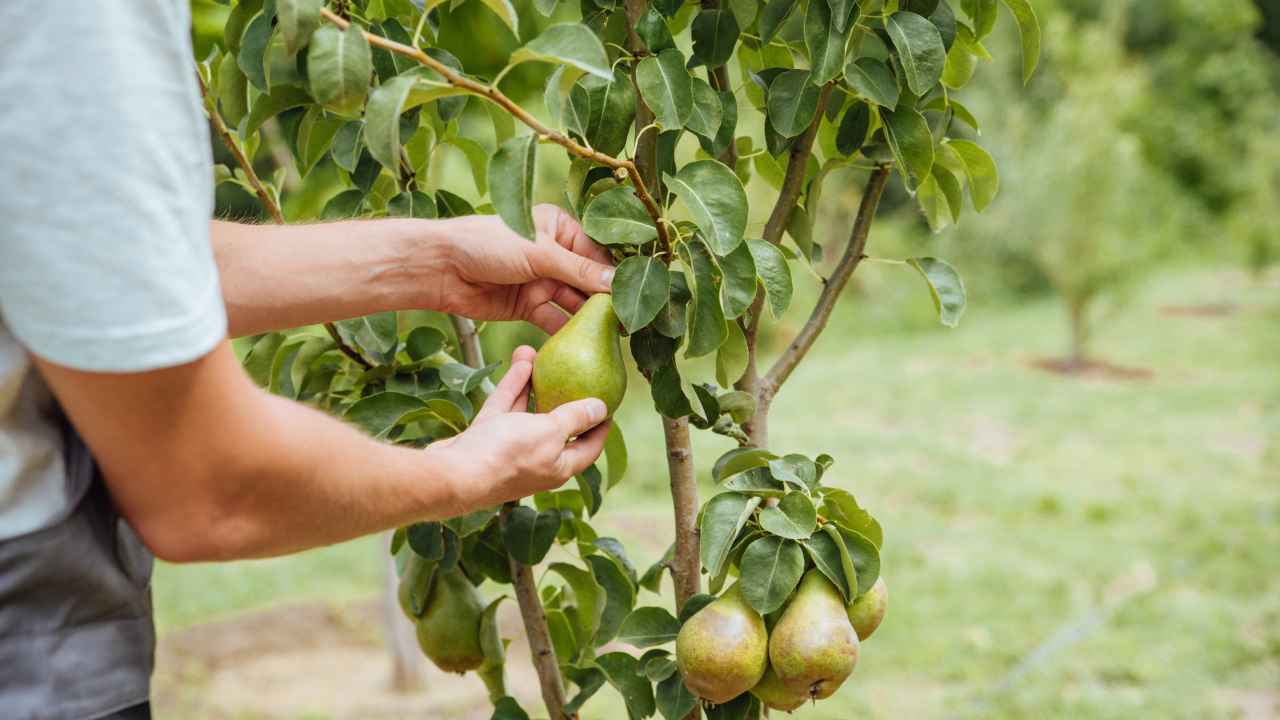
<point>606,276</point>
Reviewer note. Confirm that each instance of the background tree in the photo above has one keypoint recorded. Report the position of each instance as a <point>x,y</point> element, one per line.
<point>664,111</point>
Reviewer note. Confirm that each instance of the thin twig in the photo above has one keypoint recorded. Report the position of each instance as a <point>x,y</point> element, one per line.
<point>496,96</point>
<point>268,201</point>
<point>831,290</point>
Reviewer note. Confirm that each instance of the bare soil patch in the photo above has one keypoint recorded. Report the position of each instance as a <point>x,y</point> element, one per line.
<point>1091,369</point>
<point>1207,310</point>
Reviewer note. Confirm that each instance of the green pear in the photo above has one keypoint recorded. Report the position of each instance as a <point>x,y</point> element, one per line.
<point>582,360</point>
<point>415,584</point>
<point>722,650</point>
<point>813,647</point>
<point>777,696</point>
<point>868,610</point>
<point>449,630</point>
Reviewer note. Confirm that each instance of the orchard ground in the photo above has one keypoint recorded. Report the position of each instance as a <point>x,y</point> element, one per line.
<point>1056,547</point>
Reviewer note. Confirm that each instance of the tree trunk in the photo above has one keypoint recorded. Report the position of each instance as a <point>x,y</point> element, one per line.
<point>1078,315</point>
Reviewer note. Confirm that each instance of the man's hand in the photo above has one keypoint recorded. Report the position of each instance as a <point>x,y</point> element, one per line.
<point>494,274</point>
<point>509,453</point>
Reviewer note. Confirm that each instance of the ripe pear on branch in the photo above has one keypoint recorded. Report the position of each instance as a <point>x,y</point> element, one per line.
<point>582,360</point>
<point>813,648</point>
<point>867,611</point>
<point>776,696</point>
<point>722,650</point>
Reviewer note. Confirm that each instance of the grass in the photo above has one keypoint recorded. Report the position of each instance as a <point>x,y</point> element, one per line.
<point>1015,504</point>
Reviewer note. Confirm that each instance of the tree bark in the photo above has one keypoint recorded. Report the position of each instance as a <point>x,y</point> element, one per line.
<point>685,563</point>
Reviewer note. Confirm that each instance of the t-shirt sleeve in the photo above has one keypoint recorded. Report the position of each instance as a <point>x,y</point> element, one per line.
<point>105,262</point>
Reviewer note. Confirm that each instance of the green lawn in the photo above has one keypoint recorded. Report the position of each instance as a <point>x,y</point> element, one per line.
<point>1016,504</point>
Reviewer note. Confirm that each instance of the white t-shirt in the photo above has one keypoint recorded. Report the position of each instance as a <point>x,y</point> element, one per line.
<point>105,199</point>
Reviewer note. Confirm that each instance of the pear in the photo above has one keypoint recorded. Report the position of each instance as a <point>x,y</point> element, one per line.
<point>722,650</point>
<point>777,696</point>
<point>866,612</point>
<point>813,647</point>
<point>449,630</point>
<point>582,360</point>
<point>415,585</point>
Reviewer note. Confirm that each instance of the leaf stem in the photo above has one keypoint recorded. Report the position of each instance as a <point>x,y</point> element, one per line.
<point>268,201</point>
<point>496,96</point>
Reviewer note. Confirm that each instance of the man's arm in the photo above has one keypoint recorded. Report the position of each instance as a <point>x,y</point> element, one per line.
<point>208,467</point>
<point>276,277</point>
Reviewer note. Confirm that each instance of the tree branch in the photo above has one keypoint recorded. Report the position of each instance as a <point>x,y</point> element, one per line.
<point>268,201</point>
<point>646,160</point>
<point>788,197</point>
<point>685,563</point>
<point>831,291</point>
<point>535,629</point>
<point>496,96</point>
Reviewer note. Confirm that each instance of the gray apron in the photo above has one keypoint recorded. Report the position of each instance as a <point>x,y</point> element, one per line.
<point>76,634</point>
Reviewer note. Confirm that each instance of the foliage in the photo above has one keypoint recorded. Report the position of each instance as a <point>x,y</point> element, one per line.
<point>365,89</point>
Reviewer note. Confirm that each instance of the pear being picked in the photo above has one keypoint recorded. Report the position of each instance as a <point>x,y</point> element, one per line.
<point>449,629</point>
<point>814,648</point>
<point>867,611</point>
<point>582,360</point>
<point>722,650</point>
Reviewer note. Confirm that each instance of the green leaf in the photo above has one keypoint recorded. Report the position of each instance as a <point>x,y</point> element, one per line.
<point>716,201</point>
<point>348,144</point>
<point>874,81</point>
<point>615,454</point>
<point>853,128</point>
<point>739,405</point>
<point>844,13</point>
<point>774,273</point>
<point>233,91</point>
<point>668,396</point>
<point>648,627</point>
<point>627,675</point>
<point>528,534</point>
<point>667,87</point>
<point>423,342</point>
<point>674,700</point>
<point>238,19</point>
<point>411,205</point>
<point>563,640</point>
<point>770,569</point>
<point>794,517</point>
<point>983,13</point>
<point>268,105</point>
<point>378,414</point>
<point>774,14</point>
<point>1029,31</point>
<point>653,31</point>
<point>344,205</point>
<point>945,287</point>
<point>508,709</point>
<point>375,334</point>
<point>588,597</point>
<point>864,555</point>
<point>731,357</point>
<point>570,44</point>
<point>620,596</point>
<point>825,40</point>
<point>795,469</point>
<point>740,460</point>
<point>980,169</point>
<point>961,60</point>
<point>602,111</point>
<point>471,523</point>
<point>388,102</point>
<point>714,32</point>
<point>640,288</point>
<point>511,174</point>
<point>261,357</point>
<point>339,65</point>
<point>724,135</point>
<point>426,539</point>
<point>920,50</point>
<point>253,50</point>
<point>707,329</point>
<point>910,140</point>
<point>477,158</point>
<point>793,101</point>
<point>738,281</point>
<point>297,20</point>
<point>721,519</point>
<point>617,217</point>
<point>705,118</point>
<point>505,12</point>
<point>826,557</point>
<point>463,378</point>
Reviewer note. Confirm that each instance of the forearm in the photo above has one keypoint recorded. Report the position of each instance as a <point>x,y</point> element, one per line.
<point>276,277</point>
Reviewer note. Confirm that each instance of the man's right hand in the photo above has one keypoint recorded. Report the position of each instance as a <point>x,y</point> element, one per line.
<point>509,453</point>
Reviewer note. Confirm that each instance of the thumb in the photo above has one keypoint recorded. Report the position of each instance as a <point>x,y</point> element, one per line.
<point>574,270</point>
<point>579,416</point>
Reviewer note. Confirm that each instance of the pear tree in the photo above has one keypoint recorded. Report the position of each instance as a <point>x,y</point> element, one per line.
<point>666,113</point>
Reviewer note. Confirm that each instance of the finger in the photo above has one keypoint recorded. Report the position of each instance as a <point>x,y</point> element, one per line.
<point>579,454</point>
<point>579,416</point>
<point>571,235</point>
<point>525,353</point>
<point>548,318</point>
<point>503,397</point>
<point>568,298</point>
<point>581,272</point>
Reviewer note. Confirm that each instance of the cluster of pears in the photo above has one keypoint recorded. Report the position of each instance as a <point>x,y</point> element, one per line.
<point>582,360</point>
<point>448,613</point>
<point>726,648</point>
